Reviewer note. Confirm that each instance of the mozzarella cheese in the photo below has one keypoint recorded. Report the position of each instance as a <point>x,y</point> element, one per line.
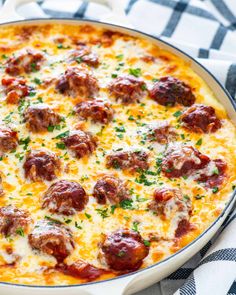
<point>88,226</point>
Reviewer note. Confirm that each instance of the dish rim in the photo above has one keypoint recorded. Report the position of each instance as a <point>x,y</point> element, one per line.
<point>232,101</point>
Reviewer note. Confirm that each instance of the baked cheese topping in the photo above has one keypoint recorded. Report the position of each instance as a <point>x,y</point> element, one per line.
<point>115,154</point>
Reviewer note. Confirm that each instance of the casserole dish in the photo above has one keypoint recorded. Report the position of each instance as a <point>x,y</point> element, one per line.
<point>130,283</point>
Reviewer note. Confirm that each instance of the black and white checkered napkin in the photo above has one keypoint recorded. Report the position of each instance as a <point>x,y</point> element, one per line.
<point>206,29</point>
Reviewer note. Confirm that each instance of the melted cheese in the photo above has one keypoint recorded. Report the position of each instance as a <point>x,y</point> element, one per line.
<point>88,226</point>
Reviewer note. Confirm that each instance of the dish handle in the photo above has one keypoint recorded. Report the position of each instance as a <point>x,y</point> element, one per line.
<point>117,14</point>
<point>117,286</point>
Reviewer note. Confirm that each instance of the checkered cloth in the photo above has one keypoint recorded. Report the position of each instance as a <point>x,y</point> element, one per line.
<point>205,29</point>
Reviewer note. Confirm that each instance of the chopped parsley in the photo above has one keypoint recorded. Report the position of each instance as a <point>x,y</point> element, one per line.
<point>60,145</point>
<point>79,60</point>
<point>52,220</point>
<point>143,87</point>
<point>199,142</point>
<point>19,156</point>
<point>25,142</point>
<point>215,171</point>
<point>37,81</point>
<point>103,212</point>
<point>215,189</point>
<point>114,75</point>
<point>127,204</point>
<point>135,72</point>
<point>77,225</point>
<point>177,114</point>
<point>87,215</point>
<point>61,46</point>
<point>34,67</point>
<point>135,226</point>
<point>40,99</point>
<point>32,93</point>
<point>120,129</point>
<point>113,208</point>
<point>8,118</point>
<point>120,56</point>
<point>61,135</point>
<point>20,231</point>
<point>146,243</point>
<point>199,197</point>
<point>131,118</point>
<point>50,128</point>
<point>142,179</point>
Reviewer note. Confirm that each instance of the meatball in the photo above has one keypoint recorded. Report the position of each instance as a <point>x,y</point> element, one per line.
<point>80,143</point>
<point>171,205</point>
<point>131,160</point>
<point>84,54</point>
<point>184,226</point>
<point>201,119</point>
<point>161,131</point>
<point>40,116</point>
<point>128,89</point>
<point>110,188</point>
<point>65,197</point>
<point>77,82</point>
<point>8,139</point>
<point>214,174</point>
<point>169,90</point>
<point>13,221</point>
<point>124,250</point>
<point>25,61</point>
<point>15,89</point>
<point>41,164</point>
<point>97,110</point>
<point>167,202</point>
<point>83,270</point>
<point>53,239</point>
<point>182,160</point>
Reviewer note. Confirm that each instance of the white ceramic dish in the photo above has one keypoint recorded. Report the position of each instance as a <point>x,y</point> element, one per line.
<point>130,283</point>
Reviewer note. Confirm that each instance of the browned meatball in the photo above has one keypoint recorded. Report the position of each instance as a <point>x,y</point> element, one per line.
<point>201,119</point>
<point>15,89</point>
<point>128,89</point>
<point>131,160</point>
<point>214,174</point>
<point>169,90</point>
<point>167,202</point>
<point>8,139</point>
<point>25,61</point>
<point>65,197</point>
<point>77,82</point>
<point>124,250</point>
<point>41,164</point>
<point>80,143</point>
<point>170,205</point>
<point>53,239</point>
<point>161,132</point>
<point>97,110</point>
<point>39,117</point>
<point>84,54</point>
<point>182,160</point>
<point>13,221</point>
<point>110,188</point>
